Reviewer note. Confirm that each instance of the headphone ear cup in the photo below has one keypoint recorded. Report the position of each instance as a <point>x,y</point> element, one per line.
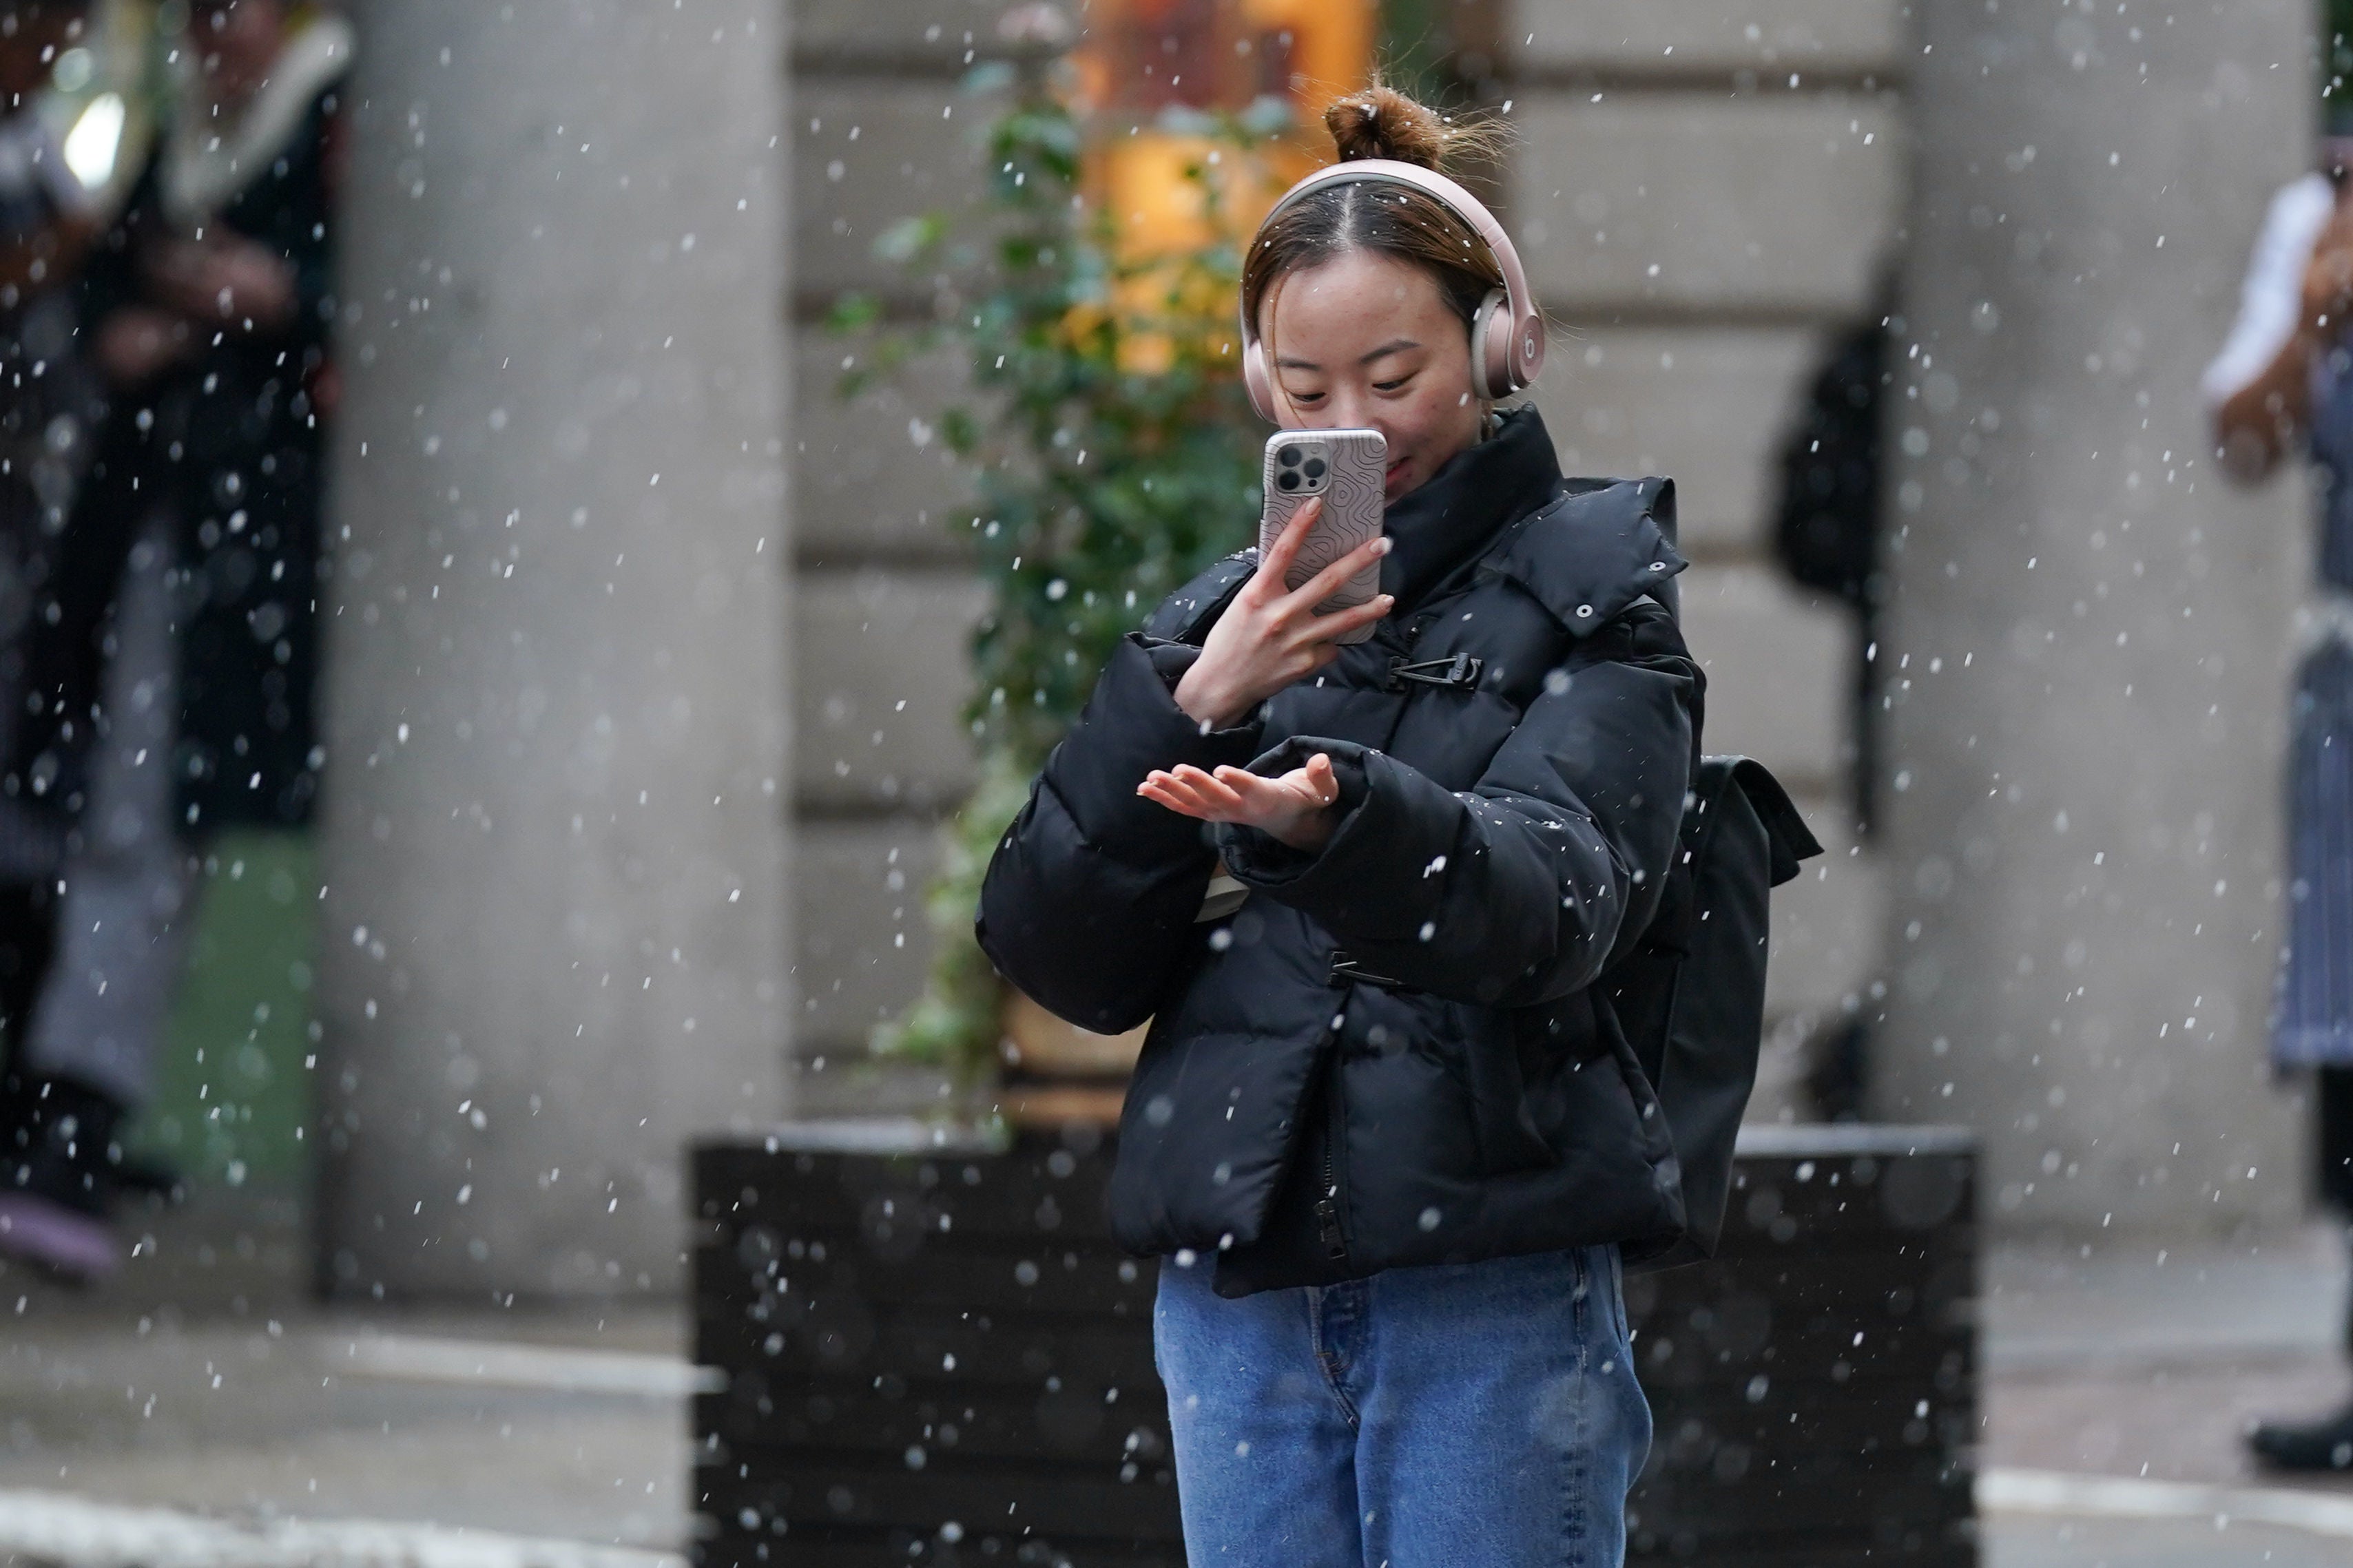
<point>1490,347</point>
<point>1256,381</point>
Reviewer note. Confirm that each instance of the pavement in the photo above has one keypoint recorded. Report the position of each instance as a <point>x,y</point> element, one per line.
<point>206,1382</point>
<point>2118,1381</point>
<point>203,1413</point>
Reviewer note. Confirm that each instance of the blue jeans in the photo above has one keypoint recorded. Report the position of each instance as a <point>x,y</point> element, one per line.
<point>1476,1416</point>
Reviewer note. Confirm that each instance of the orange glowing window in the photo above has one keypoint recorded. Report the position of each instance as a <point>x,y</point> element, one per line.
<point>1144,63</point>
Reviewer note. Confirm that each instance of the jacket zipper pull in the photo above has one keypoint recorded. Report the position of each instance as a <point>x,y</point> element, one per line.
<point>1328,1222</point>
<point>1327,1206</point>
<point>1328,1214</point>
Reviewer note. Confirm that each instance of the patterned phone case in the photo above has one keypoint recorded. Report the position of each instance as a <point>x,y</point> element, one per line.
<point>1354,463</point>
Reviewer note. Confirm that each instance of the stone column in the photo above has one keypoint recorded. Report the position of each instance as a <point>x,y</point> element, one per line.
<point>2091,634</point>
<point>557,814</point>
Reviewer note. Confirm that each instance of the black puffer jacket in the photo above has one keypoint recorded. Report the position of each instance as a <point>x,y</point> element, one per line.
<point>1394,1052</point>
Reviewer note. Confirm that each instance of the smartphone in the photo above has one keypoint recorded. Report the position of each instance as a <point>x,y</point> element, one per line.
<point>1345,468</point>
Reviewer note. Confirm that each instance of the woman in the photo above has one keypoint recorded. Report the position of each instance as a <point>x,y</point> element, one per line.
<point>1386,1130</point>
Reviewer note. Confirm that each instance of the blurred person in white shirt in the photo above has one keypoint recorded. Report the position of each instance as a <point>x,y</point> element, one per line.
<point>2282,385</point>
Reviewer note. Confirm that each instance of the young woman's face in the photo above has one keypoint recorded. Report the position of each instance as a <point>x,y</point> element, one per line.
<point>1366,342</point>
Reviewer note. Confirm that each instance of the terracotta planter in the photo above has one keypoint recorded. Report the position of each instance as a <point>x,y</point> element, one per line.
<point>1038,1045</point>
<point>1057,1073</point>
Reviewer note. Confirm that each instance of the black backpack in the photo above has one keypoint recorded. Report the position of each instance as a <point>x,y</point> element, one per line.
<point>1827,530</point>
<point>1691,995</point>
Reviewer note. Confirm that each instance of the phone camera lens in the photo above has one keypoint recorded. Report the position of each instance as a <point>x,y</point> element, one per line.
<point>1315,467</point>
<point>1288,457</point>
<point>1286,481</point>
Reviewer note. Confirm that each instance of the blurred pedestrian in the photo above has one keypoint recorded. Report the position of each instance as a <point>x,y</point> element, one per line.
<point>1826,536</point>
<point>48,218</point>
<point>2284,381</point>
<point>176,660</point>
<point>47,393</point>
<point>45,224</point>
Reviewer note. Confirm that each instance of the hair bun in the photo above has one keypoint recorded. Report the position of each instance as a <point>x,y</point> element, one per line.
<point>1382,122</point>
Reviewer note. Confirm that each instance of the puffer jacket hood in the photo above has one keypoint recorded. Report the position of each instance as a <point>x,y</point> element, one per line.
<point>1394,1052</point>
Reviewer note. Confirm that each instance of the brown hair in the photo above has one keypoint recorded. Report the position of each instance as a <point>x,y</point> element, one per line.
<point>1392,220</point>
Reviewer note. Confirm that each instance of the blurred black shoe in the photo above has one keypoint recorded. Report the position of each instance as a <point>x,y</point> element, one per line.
<point>58,1179</point>
<point>2323,1445</point>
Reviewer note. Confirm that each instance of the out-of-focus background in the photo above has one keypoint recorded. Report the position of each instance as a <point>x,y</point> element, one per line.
<point>658,501</point>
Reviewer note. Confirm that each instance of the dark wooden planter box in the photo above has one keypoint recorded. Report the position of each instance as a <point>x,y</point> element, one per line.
<point>934,1354</point>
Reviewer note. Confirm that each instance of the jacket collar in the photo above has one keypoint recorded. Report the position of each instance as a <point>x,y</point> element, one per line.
<point>1599,546</point>
<point>1466,506</point>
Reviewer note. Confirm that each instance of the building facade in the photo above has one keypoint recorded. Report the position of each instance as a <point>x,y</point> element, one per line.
<point>649,644</point>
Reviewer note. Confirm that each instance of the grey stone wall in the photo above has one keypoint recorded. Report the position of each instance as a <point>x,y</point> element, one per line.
<point>1695,230</point>
<point>558,782</point>
<point>528,717</point>
<point>1705,195</point>
<point>2092,630</point>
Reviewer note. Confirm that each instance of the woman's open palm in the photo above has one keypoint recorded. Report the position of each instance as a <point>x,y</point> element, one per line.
<point>1295,809</point>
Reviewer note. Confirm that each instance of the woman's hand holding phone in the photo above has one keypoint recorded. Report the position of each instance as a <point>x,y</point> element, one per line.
<point>1269,638</point>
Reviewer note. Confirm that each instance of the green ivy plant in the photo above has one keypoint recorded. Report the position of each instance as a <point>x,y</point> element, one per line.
<point>2336,68</point>
<point>1116,456</point>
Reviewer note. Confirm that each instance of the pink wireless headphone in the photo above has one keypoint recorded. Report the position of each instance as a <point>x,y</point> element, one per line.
<point>1505,353</point>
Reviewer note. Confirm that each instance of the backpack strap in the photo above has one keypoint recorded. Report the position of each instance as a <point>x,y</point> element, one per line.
<point>1186,614</point>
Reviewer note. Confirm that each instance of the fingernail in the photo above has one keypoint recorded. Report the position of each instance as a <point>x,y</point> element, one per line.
<point>1381,545</point>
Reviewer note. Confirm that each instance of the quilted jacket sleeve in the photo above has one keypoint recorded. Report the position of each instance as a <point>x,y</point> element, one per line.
<point>1089,901</point>
<point>1520,889</point>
